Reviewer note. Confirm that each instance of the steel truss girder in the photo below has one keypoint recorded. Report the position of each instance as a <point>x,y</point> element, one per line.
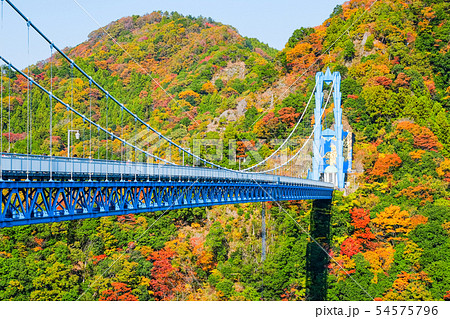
<point>25,203</point>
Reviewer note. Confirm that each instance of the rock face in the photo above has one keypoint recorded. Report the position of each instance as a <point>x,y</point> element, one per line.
<point>231,71</point>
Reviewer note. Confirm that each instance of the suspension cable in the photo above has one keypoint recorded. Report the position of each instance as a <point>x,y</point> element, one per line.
<point>51,111</point>
<point>121,146</point>
<point>1,99</point>
<point>90,130</point>
<point>114,99</point>
<point>107,138</point>
<point>287,139</point>
<point>9,109</point>
<point>1,85</point>
<point>69,155</point>
<point>104,91</point>
<point>304,143</point>
<point>28,98</point>
<point>99,127</point>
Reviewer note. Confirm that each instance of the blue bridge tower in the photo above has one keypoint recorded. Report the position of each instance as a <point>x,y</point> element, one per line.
<point>329,163</point>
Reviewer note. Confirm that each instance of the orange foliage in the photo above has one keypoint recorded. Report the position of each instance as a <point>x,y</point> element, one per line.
<point>385,164</point>
<point>126,219</point>
<point>402,80</point>
<point>98,258</point>
<point>360,217</point>
<point>416,155</point>
<point>205,259</point>
<point>420,191</point>
<point>384,81</point>
<point>429,83</point>
<point>243,147</point>
<point>447,296</point>
<point>288,116</point>
<point>424,138</point>
<point>418,220</point>
<point>189,93</point>
<point>209,88</point>
<point>119,292</point>
<point>410,287</point>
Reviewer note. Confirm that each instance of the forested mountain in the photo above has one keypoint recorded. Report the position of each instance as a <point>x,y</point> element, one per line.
<point>194,78</point>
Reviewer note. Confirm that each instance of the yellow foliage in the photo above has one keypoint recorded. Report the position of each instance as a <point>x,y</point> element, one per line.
<point>417,155</point>
<point>380,260</point>
<point>185,94</point>
<point>4,254</point>
<point>444,168</point>
<point>343,266</point>
<point>144,282</point>
<point>392,223</point>
<point>445,226</point>
<point>302,48</point>
<point>412,253</point>
<point>209,88</point>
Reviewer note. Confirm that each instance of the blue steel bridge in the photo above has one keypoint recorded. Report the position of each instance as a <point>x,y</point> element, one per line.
<point>86,188</point>
<point>42,189</point>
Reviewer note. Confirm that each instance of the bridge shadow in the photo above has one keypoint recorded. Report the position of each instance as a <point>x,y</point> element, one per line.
<point>317,260</point>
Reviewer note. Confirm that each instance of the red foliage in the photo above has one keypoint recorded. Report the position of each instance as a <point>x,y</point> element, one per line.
<point>351,246</point>
<point>447,296</point>
<point>288,116</point>
<point>360,217</point>
<point>126,219</point>
<point>351,96</point>
<point>402,80</point>
<point>119,292</point>
<point>98,258</point>
<point>164,275</point>
<point>205,59</point>
<point>14,137</point>
<point>382,80</point>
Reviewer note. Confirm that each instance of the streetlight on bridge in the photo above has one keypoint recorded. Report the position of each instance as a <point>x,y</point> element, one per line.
<point>77,136</point>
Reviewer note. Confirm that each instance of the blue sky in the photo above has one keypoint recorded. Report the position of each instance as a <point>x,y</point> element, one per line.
<point>65,23</point>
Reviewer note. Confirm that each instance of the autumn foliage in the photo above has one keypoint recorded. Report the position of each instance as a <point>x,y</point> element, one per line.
<point>385,164</point>
<point>119,292</point>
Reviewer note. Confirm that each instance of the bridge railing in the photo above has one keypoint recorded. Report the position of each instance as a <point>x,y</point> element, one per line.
<point>38,166</point>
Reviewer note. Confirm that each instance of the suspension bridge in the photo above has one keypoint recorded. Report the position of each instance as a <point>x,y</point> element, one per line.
<point>48,188</point>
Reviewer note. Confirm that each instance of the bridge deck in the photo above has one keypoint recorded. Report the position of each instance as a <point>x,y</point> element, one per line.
<point>130,188</point>
<point>19,166</point>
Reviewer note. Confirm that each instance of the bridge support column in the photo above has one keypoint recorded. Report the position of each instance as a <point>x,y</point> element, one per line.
<point>317,259</point>
<point>263,231</point>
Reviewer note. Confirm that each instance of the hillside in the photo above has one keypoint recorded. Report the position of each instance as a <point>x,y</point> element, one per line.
<point>391,234</point>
